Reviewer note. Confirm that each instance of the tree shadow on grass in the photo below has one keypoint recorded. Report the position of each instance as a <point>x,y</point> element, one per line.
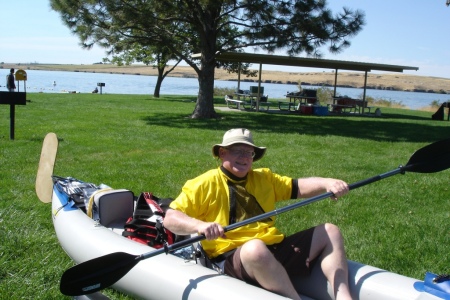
<point>405,117</point>
<point>390,127</point>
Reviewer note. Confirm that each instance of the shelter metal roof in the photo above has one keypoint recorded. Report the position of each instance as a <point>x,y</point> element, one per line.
<point>309,62</point>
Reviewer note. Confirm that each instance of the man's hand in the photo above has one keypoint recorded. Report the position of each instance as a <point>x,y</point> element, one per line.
<point>338,187</point>
<point>211,231</point>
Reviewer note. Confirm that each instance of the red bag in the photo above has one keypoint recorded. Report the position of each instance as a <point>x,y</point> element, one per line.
<point>146,224</point>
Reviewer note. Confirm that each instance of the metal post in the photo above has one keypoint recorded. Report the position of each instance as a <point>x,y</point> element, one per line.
<point>335,83</point>
<point>259,88</point>
<point>101,84</point>
<point>364,92</point>
<point>12,118</point>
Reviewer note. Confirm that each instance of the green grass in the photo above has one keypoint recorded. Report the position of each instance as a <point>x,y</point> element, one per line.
<point>144,144</point>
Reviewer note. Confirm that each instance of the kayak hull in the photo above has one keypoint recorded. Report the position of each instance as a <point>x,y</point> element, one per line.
<point>171,277</point>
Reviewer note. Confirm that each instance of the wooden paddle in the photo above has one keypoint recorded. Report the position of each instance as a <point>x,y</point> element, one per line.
<point>101,272</point>
<point>44,183</point>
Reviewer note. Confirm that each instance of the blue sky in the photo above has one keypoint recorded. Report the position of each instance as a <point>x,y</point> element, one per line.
<point>401,32</point>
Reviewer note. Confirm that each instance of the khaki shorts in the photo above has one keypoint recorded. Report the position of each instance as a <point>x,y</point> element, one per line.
<point>292,253</point>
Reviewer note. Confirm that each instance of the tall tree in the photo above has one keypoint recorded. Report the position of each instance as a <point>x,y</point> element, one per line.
<point>156,56</point>
<point>209,27</point>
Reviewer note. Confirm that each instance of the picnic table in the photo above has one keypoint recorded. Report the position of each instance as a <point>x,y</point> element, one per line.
<point>347,104</point>
<point>343,104</point>
<point>245,96</point>
<point>302,100</point>
<point>251,103</point>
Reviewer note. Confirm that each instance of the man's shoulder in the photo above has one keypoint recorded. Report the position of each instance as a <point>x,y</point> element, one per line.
<point>210,173</point>
<point>261,171</point>
<point>266,174</point>
<point>205,177</point>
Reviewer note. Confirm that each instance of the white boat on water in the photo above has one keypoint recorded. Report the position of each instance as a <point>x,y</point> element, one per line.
<point>171,277</point>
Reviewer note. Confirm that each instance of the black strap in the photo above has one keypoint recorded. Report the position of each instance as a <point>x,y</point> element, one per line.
<point>441,278</point>
<point>141,225</point>
<point>223,256</point>
<point>232,191</point>
<point>246,202</point>
<point>142,210</point>
<point>145,230</point>
<point>214,263</point>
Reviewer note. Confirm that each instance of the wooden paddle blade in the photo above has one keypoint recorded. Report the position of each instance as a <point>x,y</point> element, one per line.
<point>44,183</point>
<point>432,158</point>
<point>97,274</point>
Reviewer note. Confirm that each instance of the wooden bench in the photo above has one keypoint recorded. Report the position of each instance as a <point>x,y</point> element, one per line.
<point>283,105</point>
<point>252,104</point>
<point>336,108</point>
<point>263,102</point>
<point>360,105</point>
<point>229,99</point>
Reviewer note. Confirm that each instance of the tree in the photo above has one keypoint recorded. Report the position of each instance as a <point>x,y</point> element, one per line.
<point>209,27</point>
<point>158,57</point>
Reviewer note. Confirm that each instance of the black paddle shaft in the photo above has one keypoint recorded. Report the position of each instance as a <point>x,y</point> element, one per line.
<point>432,158</point>
<point>101,272</point>
<point>310,200</point>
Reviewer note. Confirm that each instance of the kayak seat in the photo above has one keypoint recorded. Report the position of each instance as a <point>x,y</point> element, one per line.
<point>114,207</point>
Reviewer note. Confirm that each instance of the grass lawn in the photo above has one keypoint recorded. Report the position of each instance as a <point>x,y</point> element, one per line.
<point>145,144</point>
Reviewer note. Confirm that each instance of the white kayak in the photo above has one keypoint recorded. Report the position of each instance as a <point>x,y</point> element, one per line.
<point>171,277</point>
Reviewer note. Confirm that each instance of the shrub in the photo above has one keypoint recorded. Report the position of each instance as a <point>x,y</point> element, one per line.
<point>325,95</point>
<point>218,91</point>
<point>435,103</point>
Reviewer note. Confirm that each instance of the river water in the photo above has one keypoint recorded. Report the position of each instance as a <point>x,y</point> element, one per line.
<point>83,82</point>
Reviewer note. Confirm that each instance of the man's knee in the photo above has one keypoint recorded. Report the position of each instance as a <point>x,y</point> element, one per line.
<point>255,251</point>
<point>325,235</point>
<point>333,232</point>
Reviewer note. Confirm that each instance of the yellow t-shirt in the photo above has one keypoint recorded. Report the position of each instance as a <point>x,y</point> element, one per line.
<point>206,198</point>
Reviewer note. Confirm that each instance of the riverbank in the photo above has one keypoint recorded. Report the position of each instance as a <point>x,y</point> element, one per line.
<point>382,81</point>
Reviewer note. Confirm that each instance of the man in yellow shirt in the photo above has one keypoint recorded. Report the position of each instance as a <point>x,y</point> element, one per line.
<point>258,253</point>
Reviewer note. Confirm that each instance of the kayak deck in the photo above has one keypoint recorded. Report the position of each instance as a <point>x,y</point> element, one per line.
<point>170,277</point>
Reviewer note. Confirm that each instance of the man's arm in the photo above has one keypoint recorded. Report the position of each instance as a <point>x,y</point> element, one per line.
<point>313,186</point>
<point>180,223</point>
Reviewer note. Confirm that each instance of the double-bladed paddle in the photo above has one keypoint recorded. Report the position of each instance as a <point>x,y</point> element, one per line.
<point>44,181</point>
<point>102,272</point>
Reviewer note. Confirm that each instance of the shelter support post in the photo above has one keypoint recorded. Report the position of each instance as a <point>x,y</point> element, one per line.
<point>364,92</point>
<point>239,77</point>
<point>259,87</point>
<point>335,82</point>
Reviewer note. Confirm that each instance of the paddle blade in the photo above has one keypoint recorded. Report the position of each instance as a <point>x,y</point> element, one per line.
<point>97,274</point>
<point>44,183</point>
<point>432,158</point>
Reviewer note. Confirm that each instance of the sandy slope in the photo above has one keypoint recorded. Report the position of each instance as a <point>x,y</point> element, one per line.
<point>395,81</point>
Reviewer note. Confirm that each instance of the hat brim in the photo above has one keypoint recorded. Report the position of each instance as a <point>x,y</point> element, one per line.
<point>259,151</point>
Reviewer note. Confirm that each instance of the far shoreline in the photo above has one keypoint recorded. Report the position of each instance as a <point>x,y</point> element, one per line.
<point>381,81</point>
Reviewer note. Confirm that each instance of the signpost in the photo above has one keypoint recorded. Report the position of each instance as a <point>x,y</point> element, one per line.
<point>21,75</point>
<point>101,84</point>
<point>13,99</point>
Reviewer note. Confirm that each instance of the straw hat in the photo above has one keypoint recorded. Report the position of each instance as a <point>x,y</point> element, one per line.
<point>239,136</point>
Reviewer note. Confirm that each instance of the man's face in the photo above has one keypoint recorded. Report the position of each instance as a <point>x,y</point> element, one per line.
<point>237,159</point>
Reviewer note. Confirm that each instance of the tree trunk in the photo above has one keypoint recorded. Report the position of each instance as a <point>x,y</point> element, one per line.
<point>159,81</point>
<point>204,108</point>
